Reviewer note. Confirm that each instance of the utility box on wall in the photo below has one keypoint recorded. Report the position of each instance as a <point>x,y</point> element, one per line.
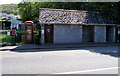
<point>29,28</point>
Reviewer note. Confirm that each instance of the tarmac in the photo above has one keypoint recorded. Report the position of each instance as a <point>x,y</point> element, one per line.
<point>55,46</point>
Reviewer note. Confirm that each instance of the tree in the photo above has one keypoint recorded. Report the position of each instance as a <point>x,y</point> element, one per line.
<point>30,11</point>
<point>25,10</point>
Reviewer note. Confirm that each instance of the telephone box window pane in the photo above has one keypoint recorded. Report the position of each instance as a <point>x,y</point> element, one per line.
<point>29,33</point>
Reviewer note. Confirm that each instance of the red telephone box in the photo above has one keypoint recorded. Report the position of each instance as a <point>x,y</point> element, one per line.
<point>29,27</point>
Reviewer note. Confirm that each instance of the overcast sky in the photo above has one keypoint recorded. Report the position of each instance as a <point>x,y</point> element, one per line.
<point>10,1</point>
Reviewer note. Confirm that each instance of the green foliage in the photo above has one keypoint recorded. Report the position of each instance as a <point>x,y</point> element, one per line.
<point>6,38</point>
<point>3,19</point>
<point>20,31</point>
<point>25,11</point>
<point>9,8</point>
<point>36,31</point>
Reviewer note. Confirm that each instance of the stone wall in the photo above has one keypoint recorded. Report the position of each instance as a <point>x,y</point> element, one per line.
<point>67,33</point>
<point>100,34</point>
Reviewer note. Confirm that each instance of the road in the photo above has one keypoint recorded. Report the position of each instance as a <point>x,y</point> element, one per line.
<point>87,60</point>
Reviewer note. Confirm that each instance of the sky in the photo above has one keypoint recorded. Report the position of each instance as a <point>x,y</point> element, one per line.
<point>10,1</point>
<point>18,1</point>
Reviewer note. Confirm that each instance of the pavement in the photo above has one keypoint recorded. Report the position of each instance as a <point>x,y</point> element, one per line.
<point>55,46</point>
<point>83,60</point>
<point>5,44</point>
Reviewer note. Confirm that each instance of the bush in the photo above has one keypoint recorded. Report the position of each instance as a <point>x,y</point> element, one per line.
<point>5,38</point>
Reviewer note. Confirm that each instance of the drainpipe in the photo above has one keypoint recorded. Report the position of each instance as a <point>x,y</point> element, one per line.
<point>42,39</point>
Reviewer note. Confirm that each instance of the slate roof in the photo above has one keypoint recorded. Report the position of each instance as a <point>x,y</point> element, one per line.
<point>62,16</point>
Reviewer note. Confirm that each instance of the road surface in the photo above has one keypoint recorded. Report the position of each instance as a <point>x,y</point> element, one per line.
<point>87,60</point>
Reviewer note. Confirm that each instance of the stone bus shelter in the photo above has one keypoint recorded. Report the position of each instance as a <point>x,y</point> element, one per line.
<point>74,26</point>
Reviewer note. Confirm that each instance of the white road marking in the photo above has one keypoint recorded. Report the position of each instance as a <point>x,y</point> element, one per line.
<point>33,57</point>
<point>92,70</point>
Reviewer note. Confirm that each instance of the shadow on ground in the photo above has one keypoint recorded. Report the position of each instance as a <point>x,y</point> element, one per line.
<point>112,51</point>
<point>108,50</point>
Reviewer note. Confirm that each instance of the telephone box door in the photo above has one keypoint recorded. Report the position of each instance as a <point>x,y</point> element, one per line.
<point>28,32</point>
